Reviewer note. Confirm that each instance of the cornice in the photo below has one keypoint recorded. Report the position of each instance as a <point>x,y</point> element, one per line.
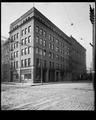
<point>25,21</point>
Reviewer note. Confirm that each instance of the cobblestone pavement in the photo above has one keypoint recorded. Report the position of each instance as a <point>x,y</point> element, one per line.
<point>65,96</point>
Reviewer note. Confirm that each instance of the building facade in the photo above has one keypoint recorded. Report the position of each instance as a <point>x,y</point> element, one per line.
<point>5,60</point>
<point>40,51</point>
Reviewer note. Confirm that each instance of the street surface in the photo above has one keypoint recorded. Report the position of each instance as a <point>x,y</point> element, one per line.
<point>60,96</point>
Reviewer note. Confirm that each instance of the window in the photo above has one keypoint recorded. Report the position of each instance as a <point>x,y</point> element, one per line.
<point>37,29</point>
<point>12,38</point>
<point>17,35</point>
<point>53,64</point>
<point>37,39</point>
<point>40,41</point>
<point>44,43</point>
<point>11,56</point>
<point>63,52</point>
<point>52,46</point>
<point>45,63</point>
<point>25,62</point>
<point>26,40</point>
<point>22,42</point>
<point>17,44</point>
<point>57,65</point>
<point>68,51</point>
<point>62,59</point>
<point>49,45</point>
<point>29,50</point>
<point>44,52</point>
<point>37,50</point>
<point>14,45</point>
<point>29,29</point>
<point>49,37</point>
<point>22,63</point>
<point>52,38</point>
<point>16,64</point>
<point>29,39</point>
<point>52,55</point>
<point>11,46</point>
<point>44,33</point>
<point>17,76</point>
<point>57,57</point>
<point>63,44</point>
<point>22,32</point>
<point>60,50</point>
<point>29,61</point>
<point>41,31</point>
<point>22,52</point>
<point>57,49</point>
<point>26,50</point>
<point>25,30</point>
<point>11,64</point>
<point>40,51</point>
<point>16,53</point>
<point>37,62</point>
<point>57,41</point>
<point>50,64</point>
<point>49,54</point>
<point>60,43</point>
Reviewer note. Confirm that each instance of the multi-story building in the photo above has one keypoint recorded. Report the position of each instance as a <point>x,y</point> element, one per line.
<point>5,69</point>
<point>40,51</point>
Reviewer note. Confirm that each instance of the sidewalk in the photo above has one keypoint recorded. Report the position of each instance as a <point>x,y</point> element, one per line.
<point>44,83</point>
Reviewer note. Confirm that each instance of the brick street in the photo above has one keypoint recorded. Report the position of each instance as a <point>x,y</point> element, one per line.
<point>60,96</point>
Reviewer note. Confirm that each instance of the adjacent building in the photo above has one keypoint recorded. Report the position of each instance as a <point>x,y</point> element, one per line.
<point>5,59</point>
<point>41,52</point>
<point>78,59</point>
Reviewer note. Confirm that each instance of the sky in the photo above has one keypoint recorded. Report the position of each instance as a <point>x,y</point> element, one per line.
<point>72,18</point>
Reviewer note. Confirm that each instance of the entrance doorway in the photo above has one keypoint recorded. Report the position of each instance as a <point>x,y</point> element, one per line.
<point>44,75</point>
<point>57,75</point>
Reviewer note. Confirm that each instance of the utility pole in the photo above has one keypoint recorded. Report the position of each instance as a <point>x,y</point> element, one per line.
<point>41,69</point>
<point>92,19</point>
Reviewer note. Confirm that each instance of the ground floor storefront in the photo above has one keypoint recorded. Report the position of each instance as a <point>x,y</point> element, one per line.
<point>38,75</point>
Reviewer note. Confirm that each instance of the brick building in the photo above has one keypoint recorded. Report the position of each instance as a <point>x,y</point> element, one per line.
<point>40,51</point>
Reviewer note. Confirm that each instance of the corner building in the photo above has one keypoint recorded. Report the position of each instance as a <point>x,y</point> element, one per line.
<point>40,51</point>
